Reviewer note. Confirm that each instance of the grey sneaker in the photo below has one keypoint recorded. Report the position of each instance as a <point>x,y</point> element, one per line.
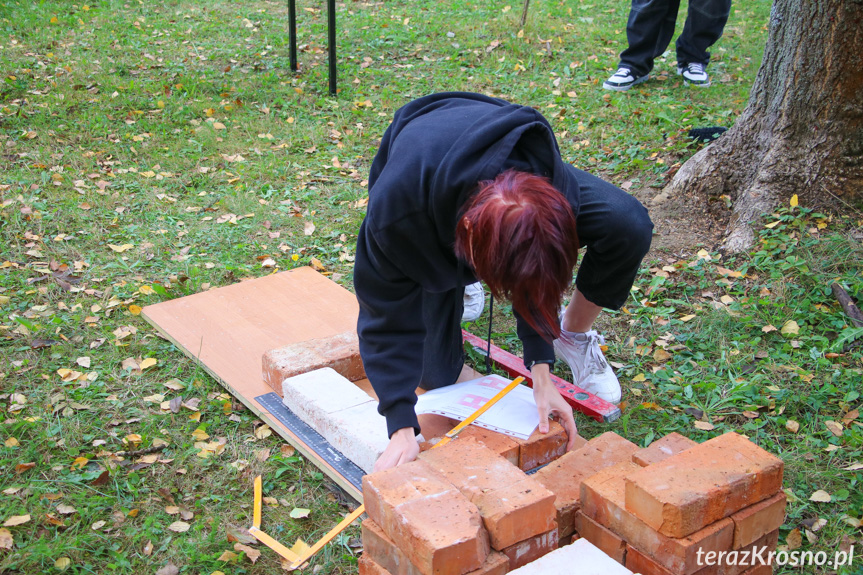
<point>474,302</point>
<point>590,370</point>
<point>694,73</point>
<point>623,80</point>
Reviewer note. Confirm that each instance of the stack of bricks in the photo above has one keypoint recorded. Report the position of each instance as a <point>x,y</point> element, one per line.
<point>674,508</point>
<point>682,508</point>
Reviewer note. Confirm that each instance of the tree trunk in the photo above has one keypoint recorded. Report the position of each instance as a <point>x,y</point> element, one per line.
<point>802,130</point>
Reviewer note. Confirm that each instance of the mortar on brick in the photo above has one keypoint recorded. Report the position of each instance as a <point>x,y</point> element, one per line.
<point>529,550</point>
<point>698,486</point>
<point>758,520</point>
<point>662,449</point>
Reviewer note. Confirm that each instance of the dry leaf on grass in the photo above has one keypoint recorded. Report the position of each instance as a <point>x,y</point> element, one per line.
<point>820,496</point>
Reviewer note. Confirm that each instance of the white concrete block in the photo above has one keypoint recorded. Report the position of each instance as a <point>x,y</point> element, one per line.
<point>324,390</point>
<point>341,412</point>
<point>580,557</point>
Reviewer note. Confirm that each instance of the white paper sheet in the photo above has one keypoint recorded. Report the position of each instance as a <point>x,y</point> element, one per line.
<point>514,415</point>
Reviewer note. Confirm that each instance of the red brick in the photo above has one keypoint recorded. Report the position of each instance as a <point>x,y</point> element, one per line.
<point>639,562</point>
<point>741,564</point>
<point>564,476</point>
<point>662,449</point>
<point>435,525</point>
<point>542,448</point>
<point>340,352</point>
<point>758,520</point>
<point>504,445</point>
<point>531,549</point>
<point>699,486</point>
<point>386,554</point>
<point>603,500</point>
<point>369,566</point>
<point>760,570</point>
<point>514,506</point>
<point>606,541</point>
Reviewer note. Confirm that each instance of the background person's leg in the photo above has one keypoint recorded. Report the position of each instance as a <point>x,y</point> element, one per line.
<point>648,32</point>
<point>705,22</point>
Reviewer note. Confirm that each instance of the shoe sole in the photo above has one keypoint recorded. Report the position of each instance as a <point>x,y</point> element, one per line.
<point>696,84</point>
<point>622,88</point>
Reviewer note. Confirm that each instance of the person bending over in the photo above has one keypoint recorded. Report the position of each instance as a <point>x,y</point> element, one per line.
<point>467,188</point>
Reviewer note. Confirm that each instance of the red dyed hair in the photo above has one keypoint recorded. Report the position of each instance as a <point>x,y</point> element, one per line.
<point>518,232</point>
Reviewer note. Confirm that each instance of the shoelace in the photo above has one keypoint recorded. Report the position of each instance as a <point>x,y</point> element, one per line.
<point>622,72</point>
<point>696,68</point>
<point>595,360</point>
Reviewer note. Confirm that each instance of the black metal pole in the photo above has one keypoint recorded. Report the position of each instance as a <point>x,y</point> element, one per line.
<point>331,28</point>
<point>292,32</point>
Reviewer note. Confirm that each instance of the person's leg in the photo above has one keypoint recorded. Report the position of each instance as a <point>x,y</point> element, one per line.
<point>648,32</point>
<point>705,22</point>
<point>616,232</point>
<point>443,353</point>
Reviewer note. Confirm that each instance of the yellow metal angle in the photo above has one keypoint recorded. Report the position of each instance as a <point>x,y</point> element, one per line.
<point>305,553</point>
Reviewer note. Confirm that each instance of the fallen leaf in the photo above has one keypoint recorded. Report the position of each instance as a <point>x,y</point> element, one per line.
<point>135,309</point>
<point>122,248</point>
<point>287,450</point>
<point>79,463</point>
<point>252,554</point>
<point>227,556</point>
<point>6,541</point>
<point>308,228</point>
<point>820,496</point>
<point>169,569</point>
<point>240,535</point>
<point>11,442</point>
<point>768,328</point>
<point>179,526</point>
<point>200,435</point>
<point>148,549</point>
<point>792,426</point>
<point>263,432</point>
<point>704,426</point>
<point>62,563</point>
<point>751,414</point>
<point>149,362</point>
<point>299,513</point>
<point>317,265</point>
<point>22,467</point>
<point>854,467</point>
<point>790,328</point>
<point>793,201</point>
<point>794,539</point>
<point>98,525</point>
<point>660,355</point>
<point>16,520</point>
<point>83,361</point>
<point>727,299</point>
<point>66,509</point>
<point>835,428</point>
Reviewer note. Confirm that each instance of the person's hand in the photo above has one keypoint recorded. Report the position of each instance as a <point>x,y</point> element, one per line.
<point>549,402</point>
<point>403,447</point>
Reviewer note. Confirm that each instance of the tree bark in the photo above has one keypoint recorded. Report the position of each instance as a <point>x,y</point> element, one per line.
<point>802,130</point>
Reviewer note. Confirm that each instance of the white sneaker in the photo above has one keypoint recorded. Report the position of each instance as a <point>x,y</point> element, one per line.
<point>590,370</point>
<point>623,80</point>
<point>693,73</point>
<point>474,302</point>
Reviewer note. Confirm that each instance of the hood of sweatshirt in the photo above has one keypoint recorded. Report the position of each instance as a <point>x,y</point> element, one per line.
<point>431,159</point>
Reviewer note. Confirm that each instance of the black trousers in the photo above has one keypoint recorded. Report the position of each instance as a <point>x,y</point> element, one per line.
<point>651,26</point>
<point>615,230</point>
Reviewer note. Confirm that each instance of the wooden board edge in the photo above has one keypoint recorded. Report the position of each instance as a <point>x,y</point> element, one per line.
<point>265,416</point>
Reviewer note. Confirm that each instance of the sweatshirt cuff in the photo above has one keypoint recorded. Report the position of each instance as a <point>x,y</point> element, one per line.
<point>401,415</point>
<point>537,349</point>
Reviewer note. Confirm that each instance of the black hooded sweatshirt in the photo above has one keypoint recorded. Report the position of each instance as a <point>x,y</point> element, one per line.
<point>431,158</point>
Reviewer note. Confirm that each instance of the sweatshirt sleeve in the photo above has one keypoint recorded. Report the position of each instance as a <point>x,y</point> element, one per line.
<point>535,347</point>
<point>391,331</point>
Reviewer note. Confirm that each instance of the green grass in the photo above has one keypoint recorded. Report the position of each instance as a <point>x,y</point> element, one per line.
<point>179,128</point>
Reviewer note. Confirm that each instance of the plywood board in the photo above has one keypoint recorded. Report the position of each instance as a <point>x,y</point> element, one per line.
<point>227,330</point>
